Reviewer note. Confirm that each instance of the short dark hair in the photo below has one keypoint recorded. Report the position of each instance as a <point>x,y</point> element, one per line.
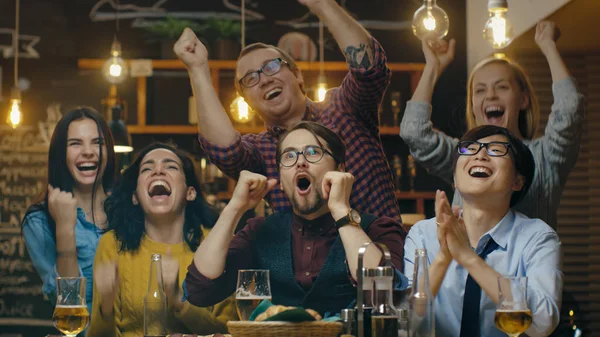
<point>259,45</point>
<point>59,175</point>
<point>334,141</point>
<point>522,157</point>
<point>127,219</point>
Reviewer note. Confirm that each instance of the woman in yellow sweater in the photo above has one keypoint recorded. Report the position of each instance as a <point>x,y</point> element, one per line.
<point>156,207</point>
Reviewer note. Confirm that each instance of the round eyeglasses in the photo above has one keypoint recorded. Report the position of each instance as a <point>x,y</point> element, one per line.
<point>270,68</point>
<point>471,148</point>
<point>312,153</point>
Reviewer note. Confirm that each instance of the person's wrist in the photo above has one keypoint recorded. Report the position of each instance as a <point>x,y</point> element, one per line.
<point>443,258</point>
<point>338,212</point>
<point>547,47</point>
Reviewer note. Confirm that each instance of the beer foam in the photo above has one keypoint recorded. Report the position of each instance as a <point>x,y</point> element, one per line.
<point>243,296</point>
<point>515,311</point>
<point>70,306</point>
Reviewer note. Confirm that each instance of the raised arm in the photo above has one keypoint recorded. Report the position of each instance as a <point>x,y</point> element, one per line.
<point>430,147</point>
<point>213,122</point>
<point>211,256</point>
<point>560,144</point>
<point>350,36</point>
<point>106,303</point>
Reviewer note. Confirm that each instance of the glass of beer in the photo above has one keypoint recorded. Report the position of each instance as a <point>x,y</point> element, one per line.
<point>252,288</point>
<point>71,314</point>
<point>513,317</point>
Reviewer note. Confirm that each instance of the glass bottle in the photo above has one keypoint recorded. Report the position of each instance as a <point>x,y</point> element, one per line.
<point>421,321</point>
<point>384,317</point>
<point>155,302</point>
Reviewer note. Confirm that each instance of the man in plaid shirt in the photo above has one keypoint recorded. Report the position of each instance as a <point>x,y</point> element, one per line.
<point>273,86</point>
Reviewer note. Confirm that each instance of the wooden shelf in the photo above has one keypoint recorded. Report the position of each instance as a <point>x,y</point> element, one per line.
<point>231,65</point>
<point>413,69</point>
<point>193,129</point>
<point>418,196</point>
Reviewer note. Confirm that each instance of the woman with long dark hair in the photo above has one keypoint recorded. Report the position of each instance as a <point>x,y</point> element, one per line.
<point>156,207</point>
<point>62,231</point>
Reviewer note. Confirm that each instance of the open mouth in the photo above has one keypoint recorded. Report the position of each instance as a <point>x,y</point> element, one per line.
<point>86,167</point>
<point>271,94</point>
<point>480,172</point>
<point>494,113</point>
<point>303,184</point>
<point>159,188</point>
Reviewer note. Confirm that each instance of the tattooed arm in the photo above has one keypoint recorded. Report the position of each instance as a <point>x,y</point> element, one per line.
<point>350,36</point>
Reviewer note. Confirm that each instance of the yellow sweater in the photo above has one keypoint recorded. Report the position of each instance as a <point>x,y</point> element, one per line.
<point>133,270</point>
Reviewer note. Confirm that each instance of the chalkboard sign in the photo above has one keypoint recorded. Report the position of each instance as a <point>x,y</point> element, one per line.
<point>23,169</point>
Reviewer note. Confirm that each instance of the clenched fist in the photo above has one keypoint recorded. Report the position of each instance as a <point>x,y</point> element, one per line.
<point>337,187</point>
<point>250,189</point>
<point>546,34</point>
<point>63,209</point>
<point>191,51</point>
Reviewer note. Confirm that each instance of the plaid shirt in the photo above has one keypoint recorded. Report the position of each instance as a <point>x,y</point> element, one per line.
<point>352,111</point>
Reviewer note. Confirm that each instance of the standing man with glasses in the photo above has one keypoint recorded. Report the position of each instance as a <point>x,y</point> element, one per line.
<point>312,251</point>
<point>493,171</point>
<point>273,86</point>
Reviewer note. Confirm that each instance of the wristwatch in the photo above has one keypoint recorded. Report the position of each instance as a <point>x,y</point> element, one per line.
<point>353,218</point>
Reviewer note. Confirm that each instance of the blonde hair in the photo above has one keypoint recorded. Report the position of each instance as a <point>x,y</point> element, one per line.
<point>528,118</point>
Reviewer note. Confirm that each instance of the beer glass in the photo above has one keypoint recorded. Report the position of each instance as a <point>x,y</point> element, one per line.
<point>513,317</point>
<point>252,288</point>
<point>71,315</point>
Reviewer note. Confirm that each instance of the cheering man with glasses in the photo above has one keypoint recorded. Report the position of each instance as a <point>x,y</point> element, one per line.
<point>273,86</point>
<point>489,240</point>
<point>312,252</point>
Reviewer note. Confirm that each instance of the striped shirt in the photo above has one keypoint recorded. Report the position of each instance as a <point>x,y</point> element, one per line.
<point>352,111</point>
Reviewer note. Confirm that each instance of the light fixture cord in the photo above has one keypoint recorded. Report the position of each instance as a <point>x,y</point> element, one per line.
<point>321,49</point>
<point>16,43</point>
<point>243,24</point>
<point>117,17</point>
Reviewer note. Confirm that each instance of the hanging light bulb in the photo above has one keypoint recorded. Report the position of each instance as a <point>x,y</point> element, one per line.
<point>321,88</point>
<point>430,21</point>
<point>14,115</point>
<point>115,68</point>
<point>240,111</point>
<point>498,31</point>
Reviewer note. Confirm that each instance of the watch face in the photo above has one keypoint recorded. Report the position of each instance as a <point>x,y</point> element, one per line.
<point>355,216</point>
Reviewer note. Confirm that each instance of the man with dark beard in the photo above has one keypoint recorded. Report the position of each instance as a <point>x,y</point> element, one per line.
<point>312,252</point>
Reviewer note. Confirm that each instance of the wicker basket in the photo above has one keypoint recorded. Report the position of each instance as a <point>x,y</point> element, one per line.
<point>284,329</point>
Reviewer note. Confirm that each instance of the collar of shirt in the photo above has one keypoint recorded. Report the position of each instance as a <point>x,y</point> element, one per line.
<point>321,226</point>
<point>310,114</point>
<point>499,233</point>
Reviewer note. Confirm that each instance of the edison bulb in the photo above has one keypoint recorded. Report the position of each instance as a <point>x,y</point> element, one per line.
<point>321,89</point>
<point>498,31</point>
<point>14,116</point>
<point>115,68</point>
<point>430,21</point>
<point>240,110</point>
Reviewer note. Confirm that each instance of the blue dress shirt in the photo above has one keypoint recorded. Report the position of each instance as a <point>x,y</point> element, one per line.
<point>527,247</point>
<point>41,245</point>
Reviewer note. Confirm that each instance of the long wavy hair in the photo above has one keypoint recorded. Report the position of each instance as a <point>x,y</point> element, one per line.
<point>529,117</point>
<point>127,220</point>
<point>59,175</point>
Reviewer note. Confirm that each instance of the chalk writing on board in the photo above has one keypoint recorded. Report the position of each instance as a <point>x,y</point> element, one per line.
<point>23,172</point>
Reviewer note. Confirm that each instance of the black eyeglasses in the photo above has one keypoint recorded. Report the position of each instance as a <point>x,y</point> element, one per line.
<point>312,153</point>
<point>270,68</point>
<point>494,149</point>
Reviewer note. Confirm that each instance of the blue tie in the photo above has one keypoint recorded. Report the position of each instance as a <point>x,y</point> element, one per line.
<point>469,324</point>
